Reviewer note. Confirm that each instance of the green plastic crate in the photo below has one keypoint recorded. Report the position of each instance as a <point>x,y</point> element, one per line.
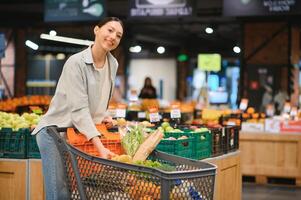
<point>182,147</point>
<point>13,144</point>
<point>202,142</point>
<point>32,147</point>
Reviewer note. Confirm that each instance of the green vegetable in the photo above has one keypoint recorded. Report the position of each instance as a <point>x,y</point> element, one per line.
<point>157,165</point>
<point>132,140</point>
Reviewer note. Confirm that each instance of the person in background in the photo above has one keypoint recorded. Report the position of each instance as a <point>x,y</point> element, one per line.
<point>148,91</point>
<point>267,98</point>
<point>81,100</point>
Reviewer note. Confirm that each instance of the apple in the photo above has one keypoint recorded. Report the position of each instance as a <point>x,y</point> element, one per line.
<point>165,125</point>
<point>203,129</point>
<point>169,129</point>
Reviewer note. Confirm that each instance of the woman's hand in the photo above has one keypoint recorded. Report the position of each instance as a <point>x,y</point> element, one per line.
<point>104,152</point>
<point>108,122</point>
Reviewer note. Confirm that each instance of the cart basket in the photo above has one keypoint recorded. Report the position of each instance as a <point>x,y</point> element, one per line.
<point>90,177</point>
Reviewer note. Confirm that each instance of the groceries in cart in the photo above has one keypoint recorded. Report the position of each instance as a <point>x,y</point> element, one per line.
<point>137,143</point>
<point>137,172</point>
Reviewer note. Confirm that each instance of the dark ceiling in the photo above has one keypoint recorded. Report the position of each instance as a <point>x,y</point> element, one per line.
<point>176,33</point>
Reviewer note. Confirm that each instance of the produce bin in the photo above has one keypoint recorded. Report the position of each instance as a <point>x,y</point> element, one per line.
<point>201,142</point>
<point>111,141</point>
<point>219,146</point>
<point>32,147</point>
<point>232,138</point>
<point>91,177</point>
<point>13,144</point>
<point>179,147</point>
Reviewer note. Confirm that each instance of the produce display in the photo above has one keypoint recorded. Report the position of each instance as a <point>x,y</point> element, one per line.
<point>15,121</point>
<point>10,105</point>
<point>138,140</point>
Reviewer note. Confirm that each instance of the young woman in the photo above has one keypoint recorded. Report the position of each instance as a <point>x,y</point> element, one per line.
<point>81,100</point>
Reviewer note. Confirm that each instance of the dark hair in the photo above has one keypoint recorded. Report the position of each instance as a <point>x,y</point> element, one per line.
<point>109,19</point>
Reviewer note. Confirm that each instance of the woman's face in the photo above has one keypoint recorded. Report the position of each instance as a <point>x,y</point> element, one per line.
<point>109,35</point>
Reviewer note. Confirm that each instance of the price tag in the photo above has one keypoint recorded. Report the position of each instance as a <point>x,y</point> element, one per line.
<point>121,111</point>
<point>270,111</point>
<point>175,111</point>
<point>154,115</point>
<point>223,132</point>
<point>243,104</point>
<point>231,123</point>
<point>294,112</point>
<point>287,107</point>
<point>141,115</point>
<point>133,95</point>
<point>112,111</point>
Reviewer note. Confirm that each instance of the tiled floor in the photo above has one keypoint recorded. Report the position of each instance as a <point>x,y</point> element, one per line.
<point>252,191</point>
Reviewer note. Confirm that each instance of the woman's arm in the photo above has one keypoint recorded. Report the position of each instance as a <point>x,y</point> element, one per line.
<point>75,82</point>
<point>104,152</point>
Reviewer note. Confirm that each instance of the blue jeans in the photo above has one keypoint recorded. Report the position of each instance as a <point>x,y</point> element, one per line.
<point>53,171</point>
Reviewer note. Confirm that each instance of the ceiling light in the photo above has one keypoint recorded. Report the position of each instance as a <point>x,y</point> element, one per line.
<point>31,44</point>
<point>135,49</point>
<point>236,49</point>
<point>66,39</point>
<point>209,30</point>
<point>60,56</point>
<point>160,50</point>
<point>48,56</point>
<point>52,33</point>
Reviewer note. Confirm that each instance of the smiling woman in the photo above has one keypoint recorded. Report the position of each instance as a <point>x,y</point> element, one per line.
<point>81,100</point>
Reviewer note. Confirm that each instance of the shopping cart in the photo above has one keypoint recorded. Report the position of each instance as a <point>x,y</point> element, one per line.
<point>94,178</point>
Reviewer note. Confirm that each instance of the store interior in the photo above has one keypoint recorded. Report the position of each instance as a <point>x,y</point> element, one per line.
<point>224,62</point>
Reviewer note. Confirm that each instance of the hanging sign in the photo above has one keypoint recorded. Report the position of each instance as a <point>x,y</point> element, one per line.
<point>74,10</point>
<point>261,7</point>
<point>160,8</point>
<point>210,62</point>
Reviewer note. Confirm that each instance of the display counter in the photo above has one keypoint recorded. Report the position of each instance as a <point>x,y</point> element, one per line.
<point>23,179</point>
<point>228,184</point>
<point>270,155</point>
<point>13,179</point>
<point>36,187</point>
